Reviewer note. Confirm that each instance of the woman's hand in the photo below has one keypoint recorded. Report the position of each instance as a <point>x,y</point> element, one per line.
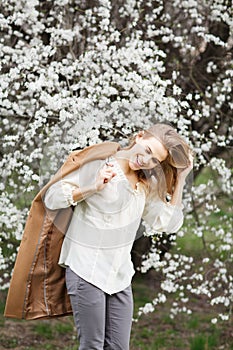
<point>104,176</point>
<point>183,173</point>
<point>180,182</point>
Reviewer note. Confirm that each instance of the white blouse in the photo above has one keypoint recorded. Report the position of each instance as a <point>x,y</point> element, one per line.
<point>97,245</point>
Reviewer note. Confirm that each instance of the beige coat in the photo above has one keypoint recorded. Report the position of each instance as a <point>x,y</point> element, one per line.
<point>37,288</point>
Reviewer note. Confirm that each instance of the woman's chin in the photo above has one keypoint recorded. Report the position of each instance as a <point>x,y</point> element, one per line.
<point>134,166</point>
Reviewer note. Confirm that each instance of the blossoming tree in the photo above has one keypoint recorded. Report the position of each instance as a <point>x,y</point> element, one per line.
<point>75,73</point>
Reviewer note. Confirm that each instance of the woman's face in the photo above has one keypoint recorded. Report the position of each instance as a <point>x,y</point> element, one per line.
<point>147,153</point>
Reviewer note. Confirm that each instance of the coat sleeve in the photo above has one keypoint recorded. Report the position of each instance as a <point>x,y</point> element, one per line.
<point>59,195</point>
<point>161,216</point>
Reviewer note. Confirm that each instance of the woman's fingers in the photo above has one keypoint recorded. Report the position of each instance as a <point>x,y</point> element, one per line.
<point>183,173</point>
<point>107,173</point>
<point>191,158</point>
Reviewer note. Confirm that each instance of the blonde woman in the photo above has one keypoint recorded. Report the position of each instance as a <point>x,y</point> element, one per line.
<point>110,197</point>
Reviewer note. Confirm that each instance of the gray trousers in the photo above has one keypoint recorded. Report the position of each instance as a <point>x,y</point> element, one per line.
<point>103,321</point>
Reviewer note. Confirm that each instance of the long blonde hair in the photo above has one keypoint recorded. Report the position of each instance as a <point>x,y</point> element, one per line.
<point>178,158</point>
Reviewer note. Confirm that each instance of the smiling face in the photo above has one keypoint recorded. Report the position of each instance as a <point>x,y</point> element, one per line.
<point>147,153</point>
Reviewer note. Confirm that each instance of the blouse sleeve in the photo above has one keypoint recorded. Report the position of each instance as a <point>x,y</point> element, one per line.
<point>161,216</point>
<point>59,195</point>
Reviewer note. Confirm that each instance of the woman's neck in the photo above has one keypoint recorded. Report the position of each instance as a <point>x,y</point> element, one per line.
<point>123,157</point>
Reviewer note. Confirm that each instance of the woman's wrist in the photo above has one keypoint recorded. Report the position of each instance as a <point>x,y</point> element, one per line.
<point>180,180</point>
<point>82,193</point>
<point>176,199</point>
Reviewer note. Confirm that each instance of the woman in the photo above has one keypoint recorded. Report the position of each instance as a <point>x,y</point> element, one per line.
<point>110,197</point>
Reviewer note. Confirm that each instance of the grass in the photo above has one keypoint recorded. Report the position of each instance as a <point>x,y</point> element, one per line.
<point>204,342</point>
<point>48,330</point>
<point>44,329</point>
<point>194,332</point>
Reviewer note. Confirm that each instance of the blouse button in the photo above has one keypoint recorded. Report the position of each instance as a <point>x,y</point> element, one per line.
<point>107,218</point>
